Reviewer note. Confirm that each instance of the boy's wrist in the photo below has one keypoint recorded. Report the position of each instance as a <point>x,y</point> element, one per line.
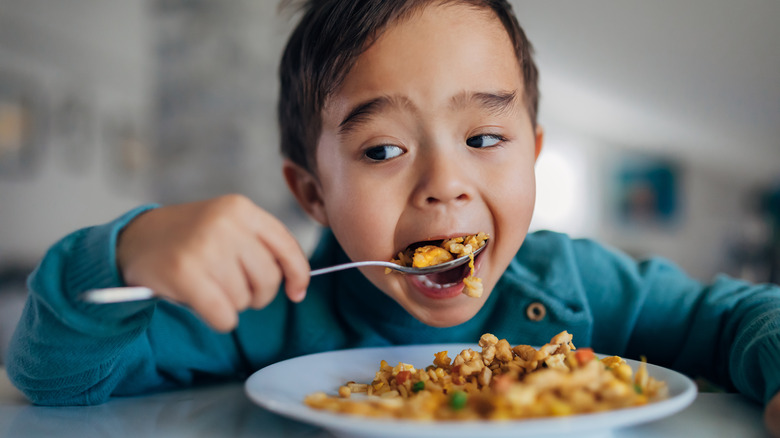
<point>772,415</point>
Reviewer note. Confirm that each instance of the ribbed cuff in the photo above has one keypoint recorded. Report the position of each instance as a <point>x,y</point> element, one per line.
<point>89,262</point>
<point>755,357</point>
<point>769,357</point>
<point>94,262</point>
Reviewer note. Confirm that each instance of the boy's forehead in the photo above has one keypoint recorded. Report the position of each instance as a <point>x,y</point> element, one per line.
<point>434,41</point>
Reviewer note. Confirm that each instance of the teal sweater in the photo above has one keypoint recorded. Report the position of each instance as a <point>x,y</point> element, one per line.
<point>67,352</point>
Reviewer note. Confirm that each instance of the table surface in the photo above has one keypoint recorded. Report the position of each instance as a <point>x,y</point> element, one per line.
<point>225,411</point>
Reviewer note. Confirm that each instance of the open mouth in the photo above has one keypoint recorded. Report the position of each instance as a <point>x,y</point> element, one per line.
<point>447,284</point>
<point>451,282</point>
<point>445,279</point>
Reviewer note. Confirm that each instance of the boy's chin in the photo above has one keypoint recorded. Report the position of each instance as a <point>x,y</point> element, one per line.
<point>449,316</point>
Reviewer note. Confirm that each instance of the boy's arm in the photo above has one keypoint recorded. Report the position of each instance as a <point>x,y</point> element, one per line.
<point>754,323</point>
<point>65,351</point>
<point>727,331</point>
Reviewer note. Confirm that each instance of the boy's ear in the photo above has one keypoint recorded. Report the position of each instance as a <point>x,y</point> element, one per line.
<point>539,141</point>
<point>307,190</point>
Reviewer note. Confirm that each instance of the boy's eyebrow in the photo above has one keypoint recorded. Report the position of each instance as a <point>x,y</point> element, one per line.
<point>364,110</point>
<point>495,102</point>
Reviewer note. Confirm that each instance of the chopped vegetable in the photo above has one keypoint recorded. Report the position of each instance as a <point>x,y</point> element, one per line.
<point>584,355</point>
<point>402,377</point>
<point>458,400</point>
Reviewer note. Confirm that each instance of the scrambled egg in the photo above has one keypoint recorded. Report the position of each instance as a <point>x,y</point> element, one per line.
<point>430,255</point>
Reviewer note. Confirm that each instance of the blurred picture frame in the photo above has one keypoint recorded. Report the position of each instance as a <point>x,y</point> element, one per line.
<point>647,192</point>
<point>20,122</point>
<point>72,131</point>
<point>129,150</point>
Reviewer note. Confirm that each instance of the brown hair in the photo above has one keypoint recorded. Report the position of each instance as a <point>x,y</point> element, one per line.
<point>327,41</point>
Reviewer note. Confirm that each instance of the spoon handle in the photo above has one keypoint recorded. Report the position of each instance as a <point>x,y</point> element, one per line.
<point>117,294</point>
<point>138,293</point>
<point>343,266</point>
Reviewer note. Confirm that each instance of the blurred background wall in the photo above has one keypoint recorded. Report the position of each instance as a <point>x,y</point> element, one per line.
<point>662,122</point>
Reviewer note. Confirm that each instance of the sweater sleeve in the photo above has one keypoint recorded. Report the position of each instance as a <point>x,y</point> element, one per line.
<point>754,360</point>
<point>69,352</point>
<point>727,330</point>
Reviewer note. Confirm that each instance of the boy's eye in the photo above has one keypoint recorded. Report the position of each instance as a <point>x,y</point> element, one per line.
<point>384,152</point>
<point>484,140</point>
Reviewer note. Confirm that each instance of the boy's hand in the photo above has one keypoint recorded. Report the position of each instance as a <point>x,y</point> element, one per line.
<point>218,257</point>
<point>772,416</point>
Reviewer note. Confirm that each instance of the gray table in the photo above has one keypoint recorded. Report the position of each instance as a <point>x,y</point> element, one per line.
<point>225,411</point>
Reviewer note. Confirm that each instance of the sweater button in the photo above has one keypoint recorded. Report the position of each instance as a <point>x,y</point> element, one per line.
<point>536,311</point>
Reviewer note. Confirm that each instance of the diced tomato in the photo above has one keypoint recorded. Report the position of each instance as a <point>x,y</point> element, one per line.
<point>584,355</point>
<point>501,383</point>
<point>402,377</point>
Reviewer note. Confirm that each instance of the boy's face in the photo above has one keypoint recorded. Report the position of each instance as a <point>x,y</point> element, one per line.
<point>428,138</point>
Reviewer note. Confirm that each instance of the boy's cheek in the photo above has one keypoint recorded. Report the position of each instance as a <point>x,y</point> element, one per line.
<point>364,221</point>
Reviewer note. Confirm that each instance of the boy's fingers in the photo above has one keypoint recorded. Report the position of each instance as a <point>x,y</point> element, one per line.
<point>772,416</point>
<point>289,255</point>
<point>262,273</point>
<point>295,269</point>
<point>208,299</point>
<point>232,280</point>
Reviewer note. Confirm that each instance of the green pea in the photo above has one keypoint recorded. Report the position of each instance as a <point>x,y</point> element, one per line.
<point>637,389</point>
<point>419,386</point>
<point>458,400</point>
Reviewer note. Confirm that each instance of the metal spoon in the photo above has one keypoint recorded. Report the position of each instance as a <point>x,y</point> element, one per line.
<point>137,293</point>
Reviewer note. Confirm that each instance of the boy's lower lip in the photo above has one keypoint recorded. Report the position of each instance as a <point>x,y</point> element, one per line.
<point>434,290</point>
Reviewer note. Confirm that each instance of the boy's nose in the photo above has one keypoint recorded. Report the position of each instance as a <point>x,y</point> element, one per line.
<point>442,181</point>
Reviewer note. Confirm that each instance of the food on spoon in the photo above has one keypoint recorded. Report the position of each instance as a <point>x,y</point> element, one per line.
<point>498,383</point>
<point>445,251</point>
<point>430,255</point>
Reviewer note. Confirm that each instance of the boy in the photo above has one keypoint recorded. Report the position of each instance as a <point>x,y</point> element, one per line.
<point>402,122</point>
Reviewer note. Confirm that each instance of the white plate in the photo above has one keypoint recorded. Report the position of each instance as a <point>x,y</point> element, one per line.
<point>281,388</point>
